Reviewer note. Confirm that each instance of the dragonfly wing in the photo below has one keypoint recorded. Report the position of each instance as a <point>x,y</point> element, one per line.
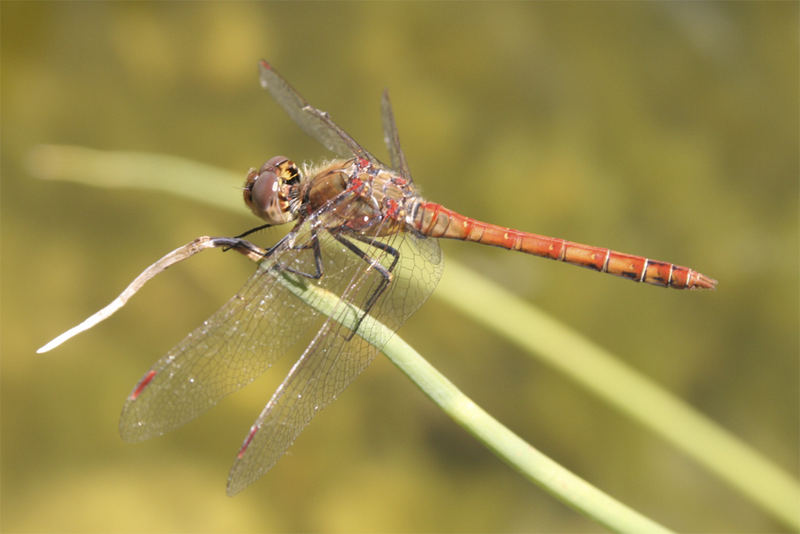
<point>392,138</point>
<point>334,358</point>
<point>225,353</point>
<point>313,121</point>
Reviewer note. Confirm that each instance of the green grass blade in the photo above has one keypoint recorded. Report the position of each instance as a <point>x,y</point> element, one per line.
<point>511,448</point>
<point>630,392</point>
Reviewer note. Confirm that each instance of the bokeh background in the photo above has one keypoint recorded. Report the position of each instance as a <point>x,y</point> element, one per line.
<point>665,129</point>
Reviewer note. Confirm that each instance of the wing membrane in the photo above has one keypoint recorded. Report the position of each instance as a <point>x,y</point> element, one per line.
<point>263,321</point>
<point>392,138</point>
<point>313,121</point>
<point>335,358</point>
<point>225,353</point>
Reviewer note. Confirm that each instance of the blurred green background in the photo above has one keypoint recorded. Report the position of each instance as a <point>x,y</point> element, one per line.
<point>663,129</point>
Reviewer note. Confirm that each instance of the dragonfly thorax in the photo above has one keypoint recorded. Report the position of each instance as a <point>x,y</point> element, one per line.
<point>272,192</point>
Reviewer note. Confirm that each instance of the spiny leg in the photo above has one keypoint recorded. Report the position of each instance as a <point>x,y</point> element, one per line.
<point>385,272</point>
<point>253,230</point>
<point>313,244</point>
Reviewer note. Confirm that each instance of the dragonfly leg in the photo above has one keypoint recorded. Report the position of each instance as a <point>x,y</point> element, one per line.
<point>253,230</point>
<point>381,246</point>
<point>314,246</point>
<point>242,246</point>
<point>226,248</point>
<point>385,272</point>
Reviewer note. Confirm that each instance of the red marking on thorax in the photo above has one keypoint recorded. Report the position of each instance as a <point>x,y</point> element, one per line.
<point>355,185</point>
<point>393,208</point>
<point>142,384</point>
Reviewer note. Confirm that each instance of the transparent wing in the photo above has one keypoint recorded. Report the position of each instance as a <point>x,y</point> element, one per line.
<point>334,358</point>
<point>264,320</point>
<point>392,138</point>
<point>314,122</point>
<point>228,351</point>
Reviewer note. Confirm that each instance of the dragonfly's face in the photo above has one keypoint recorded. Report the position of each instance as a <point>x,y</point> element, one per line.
<point>272,191</point>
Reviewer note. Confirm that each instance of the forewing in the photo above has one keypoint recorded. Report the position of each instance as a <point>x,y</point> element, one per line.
<point>392,138</point>
<point>314,122</point>
<point>334,358</point>
<point>225,353</point>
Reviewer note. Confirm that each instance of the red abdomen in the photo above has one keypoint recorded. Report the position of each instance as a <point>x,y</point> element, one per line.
<point>435,220</point>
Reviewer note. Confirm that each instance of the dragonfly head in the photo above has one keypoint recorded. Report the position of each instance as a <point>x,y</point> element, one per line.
<point>272,191</point>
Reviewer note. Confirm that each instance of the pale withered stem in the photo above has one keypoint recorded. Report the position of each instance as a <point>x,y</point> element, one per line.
<point>179,254</point>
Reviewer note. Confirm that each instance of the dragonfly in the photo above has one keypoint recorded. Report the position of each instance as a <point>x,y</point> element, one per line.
<point>362,234</point>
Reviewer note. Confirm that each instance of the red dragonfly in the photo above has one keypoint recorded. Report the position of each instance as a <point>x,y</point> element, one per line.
<point>361,232</point>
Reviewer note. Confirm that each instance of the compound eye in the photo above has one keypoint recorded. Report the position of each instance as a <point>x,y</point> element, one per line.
<point>266,191</point>
<point>265,198</point>
<point>274,163</point>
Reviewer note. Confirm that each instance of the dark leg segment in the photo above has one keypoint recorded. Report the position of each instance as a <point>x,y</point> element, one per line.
<point>385,272</point>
